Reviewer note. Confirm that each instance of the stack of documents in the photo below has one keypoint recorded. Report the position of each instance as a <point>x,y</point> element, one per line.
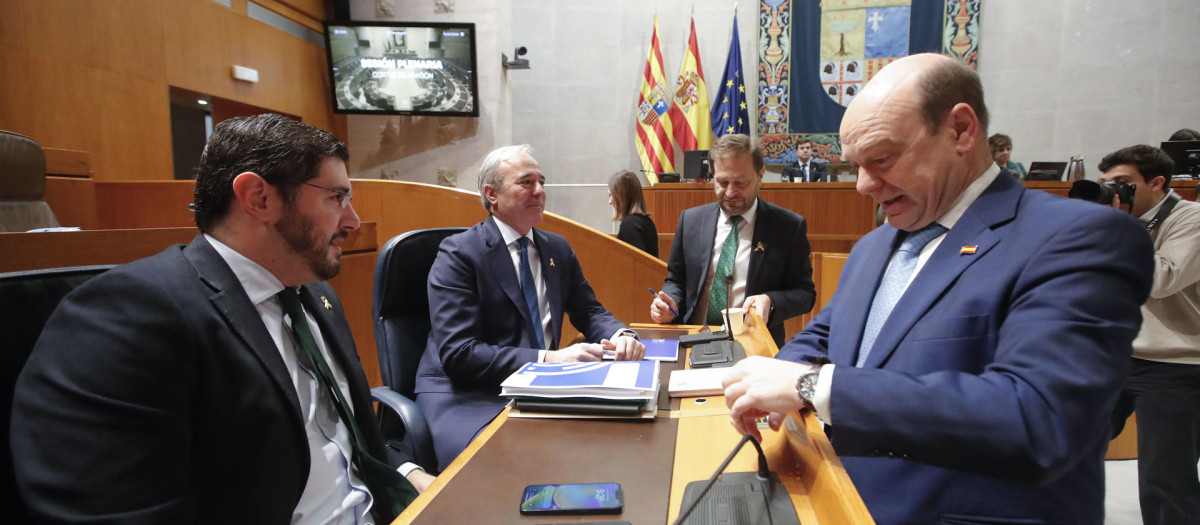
<point>623,389</point>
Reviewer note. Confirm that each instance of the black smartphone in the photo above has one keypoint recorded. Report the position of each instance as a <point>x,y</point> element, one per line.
<point>574,498</point>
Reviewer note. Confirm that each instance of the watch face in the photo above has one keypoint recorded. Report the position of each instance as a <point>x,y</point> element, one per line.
<point>806,386</point>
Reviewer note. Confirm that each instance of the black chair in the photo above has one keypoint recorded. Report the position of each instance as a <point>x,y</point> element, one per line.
<point>400,307</point>
<point>26,301</point>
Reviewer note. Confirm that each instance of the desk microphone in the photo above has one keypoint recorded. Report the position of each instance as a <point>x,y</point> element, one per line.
<point>728,294</point>
<point>772,501</point>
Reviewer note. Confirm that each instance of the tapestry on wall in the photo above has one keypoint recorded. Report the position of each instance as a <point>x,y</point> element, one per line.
<point>815,55</point>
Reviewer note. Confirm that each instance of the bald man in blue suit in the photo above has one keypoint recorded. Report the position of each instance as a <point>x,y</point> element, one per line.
<point>967,380</point>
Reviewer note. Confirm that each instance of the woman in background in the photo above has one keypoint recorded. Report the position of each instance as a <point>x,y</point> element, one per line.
<point>1001,146</point>
<point>625,196</point>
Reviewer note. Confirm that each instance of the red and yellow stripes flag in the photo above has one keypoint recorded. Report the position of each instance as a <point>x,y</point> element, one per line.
<point>654,137</point>
<point>689,107</point>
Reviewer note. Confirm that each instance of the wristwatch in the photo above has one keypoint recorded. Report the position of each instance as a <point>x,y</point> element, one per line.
<point>806,387</point>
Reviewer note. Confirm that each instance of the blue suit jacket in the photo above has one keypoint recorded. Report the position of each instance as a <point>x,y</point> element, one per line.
<point>480,331</point>
<point>988,390</point>
<point>781,268</point>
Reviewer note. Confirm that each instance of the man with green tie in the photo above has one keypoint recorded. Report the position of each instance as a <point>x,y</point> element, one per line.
<point>760,248</point>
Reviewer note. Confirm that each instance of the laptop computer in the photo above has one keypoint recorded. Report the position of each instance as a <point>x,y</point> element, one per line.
<point>1046,171</point>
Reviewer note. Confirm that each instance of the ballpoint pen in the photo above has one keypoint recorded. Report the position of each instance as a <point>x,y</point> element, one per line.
<point>654,293</point>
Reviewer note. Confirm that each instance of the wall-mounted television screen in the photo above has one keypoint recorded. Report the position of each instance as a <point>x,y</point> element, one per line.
<point>403,68</point>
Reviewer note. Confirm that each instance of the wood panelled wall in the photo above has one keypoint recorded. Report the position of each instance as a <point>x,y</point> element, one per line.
<point>93,75</point>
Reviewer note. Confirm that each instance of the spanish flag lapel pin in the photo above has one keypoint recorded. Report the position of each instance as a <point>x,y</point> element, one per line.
<point>326,303</point>
<point>968,250</point>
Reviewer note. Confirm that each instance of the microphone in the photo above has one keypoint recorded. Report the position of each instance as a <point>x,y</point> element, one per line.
<point>774,496</point>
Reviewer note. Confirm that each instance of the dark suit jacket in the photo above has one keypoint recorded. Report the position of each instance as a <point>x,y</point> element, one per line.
<point>816,172</point>
<point>781,269</point>
<point>480,332</point>
<point>988,390</point>
<point>156,395</point>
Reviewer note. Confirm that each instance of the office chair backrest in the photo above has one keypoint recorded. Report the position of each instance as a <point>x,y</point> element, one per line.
<point>23,185</point>
<point>26,301</point>
<point>400,304</point>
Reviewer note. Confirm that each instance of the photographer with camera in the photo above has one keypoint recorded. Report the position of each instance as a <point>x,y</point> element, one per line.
<point>1164,384</point>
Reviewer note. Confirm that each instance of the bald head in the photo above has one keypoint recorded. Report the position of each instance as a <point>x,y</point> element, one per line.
<point>917,132</point>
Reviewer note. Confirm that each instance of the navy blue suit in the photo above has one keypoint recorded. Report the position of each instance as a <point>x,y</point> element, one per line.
<point>779,262</point>
<point>480,328</point>
<point>987,392</point>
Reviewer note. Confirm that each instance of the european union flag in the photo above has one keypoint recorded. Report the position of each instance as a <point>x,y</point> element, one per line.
<point>729,113</point>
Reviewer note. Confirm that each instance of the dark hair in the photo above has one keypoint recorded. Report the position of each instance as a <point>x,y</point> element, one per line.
<point>1185,134</point>
<point>949,83</point>
<point>998,142</point>
<point>729,145</point>
<point>1150,162</point>
<point>284,152</point>
<point>801,140</point>
<point>627,196</point>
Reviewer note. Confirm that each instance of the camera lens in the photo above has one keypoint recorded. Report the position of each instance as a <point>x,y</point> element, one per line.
<point>1091,191</point>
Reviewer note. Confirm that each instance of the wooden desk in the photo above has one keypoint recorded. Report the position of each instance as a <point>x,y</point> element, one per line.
<point>653,460</point>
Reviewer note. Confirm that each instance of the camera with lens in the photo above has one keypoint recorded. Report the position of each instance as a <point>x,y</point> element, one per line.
<point>1103,192</point>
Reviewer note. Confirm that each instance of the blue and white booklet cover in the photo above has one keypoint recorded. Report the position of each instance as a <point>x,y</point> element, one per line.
<point>602,379</point>
<point>662,349</point>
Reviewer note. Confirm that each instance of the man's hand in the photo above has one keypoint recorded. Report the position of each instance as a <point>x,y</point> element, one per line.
<point>420,479</point>
<point>661,308</point>
<point>761,302</point>
<point>625,348</point>
<point>579,352</point>
<point>762,386</point>
<point>1116,202</point>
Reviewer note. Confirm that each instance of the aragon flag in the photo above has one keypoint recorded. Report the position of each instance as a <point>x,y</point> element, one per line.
<point>654,130</point>
<point>729,113</point>
<point>689,107</point>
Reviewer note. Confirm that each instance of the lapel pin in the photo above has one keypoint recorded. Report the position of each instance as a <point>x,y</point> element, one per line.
<point>968,250</point>
<point>326,303</point>
<point>551,262</point>
<point>759,247</point>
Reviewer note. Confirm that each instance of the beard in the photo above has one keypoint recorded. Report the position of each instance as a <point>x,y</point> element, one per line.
<point>303,239</point>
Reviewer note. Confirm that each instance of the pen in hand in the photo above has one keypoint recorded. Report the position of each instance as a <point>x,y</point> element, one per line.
<point>655,294</point>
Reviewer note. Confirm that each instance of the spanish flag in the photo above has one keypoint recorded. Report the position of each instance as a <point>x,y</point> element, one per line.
<point>654,130</point>
<point>689,109</point>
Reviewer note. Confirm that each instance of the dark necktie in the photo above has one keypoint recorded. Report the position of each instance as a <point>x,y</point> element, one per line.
<point>718,295</point>
<point>893,285</point>
<point>530,292</point>
<point>391,491</point>
<point>804,173</point>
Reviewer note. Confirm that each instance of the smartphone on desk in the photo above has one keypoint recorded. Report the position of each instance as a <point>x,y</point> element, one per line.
<point>574,498</point>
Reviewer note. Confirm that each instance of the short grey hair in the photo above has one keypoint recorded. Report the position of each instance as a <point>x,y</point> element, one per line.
<point>489,172</point>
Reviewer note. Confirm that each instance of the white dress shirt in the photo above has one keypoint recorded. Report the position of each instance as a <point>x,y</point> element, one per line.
<point>741,262</point>
<point>334,493</point>
<point>821,395</point>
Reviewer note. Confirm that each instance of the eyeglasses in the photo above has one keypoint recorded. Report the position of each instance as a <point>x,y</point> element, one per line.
<point>343,196</point>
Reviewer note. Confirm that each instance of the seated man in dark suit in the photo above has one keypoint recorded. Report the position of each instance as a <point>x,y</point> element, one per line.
<point>497,296</point>
<point>217,381</point>
<point>763,246</point>
<point>976,344</point>
<point>806,168</point>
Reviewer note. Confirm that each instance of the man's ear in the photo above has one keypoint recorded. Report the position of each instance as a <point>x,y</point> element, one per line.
<point>965,123</point>
<point>489,193</point>
<point>255,197</point>
<point>1156,184</point>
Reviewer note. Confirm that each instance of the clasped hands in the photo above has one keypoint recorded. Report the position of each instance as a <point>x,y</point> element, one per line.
<point>663,306</point>
<point>762,386</point>
<point>624,348</point>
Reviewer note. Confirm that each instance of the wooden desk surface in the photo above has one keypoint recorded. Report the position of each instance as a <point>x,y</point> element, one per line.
<point>484,484</point>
